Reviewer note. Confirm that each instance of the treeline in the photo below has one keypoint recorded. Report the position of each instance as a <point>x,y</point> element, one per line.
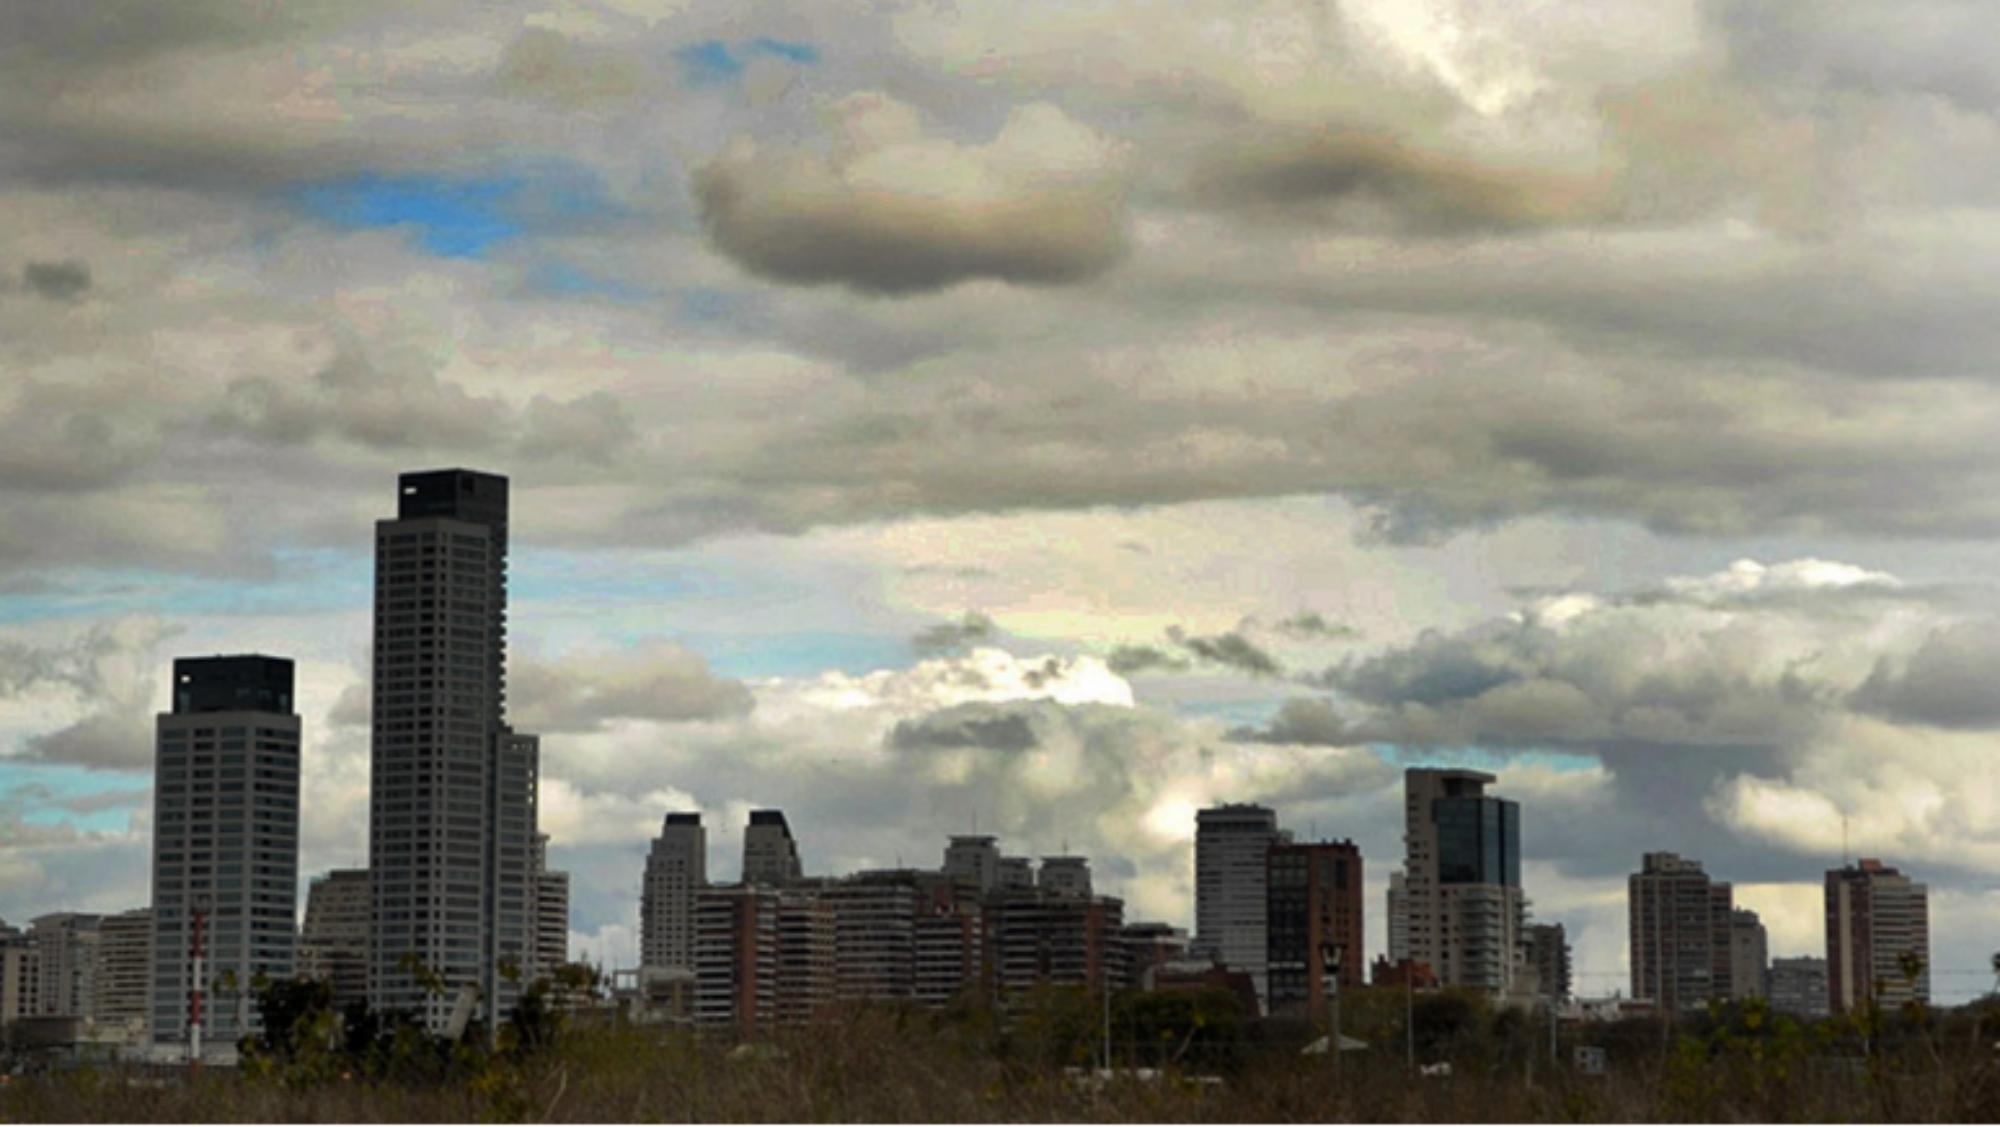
<point>1203,1060</point>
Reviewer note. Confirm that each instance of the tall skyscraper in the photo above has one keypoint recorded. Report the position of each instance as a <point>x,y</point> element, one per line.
<point>1462,898</point>
<point>452,797</point>
<point>676,870</point>
<point>1313,910</point>
<point>1748,948</point>
<point>1878,937</point>
<point>225,840</point>
<point>1230,847</point>
<point>770,856</point>
<point>1678,924</point>
<point>333,941</point>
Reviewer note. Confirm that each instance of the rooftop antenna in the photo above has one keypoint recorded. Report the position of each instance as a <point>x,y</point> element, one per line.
<point>1844,862</point>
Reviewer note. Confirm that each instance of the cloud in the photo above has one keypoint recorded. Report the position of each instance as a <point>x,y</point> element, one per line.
<point>58,281</point>
<point>1362,177</point>
<point>652,680</point>
<point>951,637</point>
<point>1948,681</point>
<point>1127,660</point>
<point>106,678</point>
<point>1231,649</point>
<point>896,212</point>
<point>1310,624</point>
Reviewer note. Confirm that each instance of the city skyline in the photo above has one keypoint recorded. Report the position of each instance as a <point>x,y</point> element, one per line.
<point>1042,423</point>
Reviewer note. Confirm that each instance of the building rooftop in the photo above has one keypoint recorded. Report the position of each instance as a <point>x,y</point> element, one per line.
<point>232,683</point>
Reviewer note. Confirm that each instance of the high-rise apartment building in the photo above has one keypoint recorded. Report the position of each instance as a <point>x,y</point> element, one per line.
<point>225,841</point>
<point>66,962</point>
<point>123,987</point>
<point>973,859</point>
<point>1230,847</point>
<point>452,794</point>
<point>1014,873</point>
<point>1548,953</point>
<point>1398,916</point>
<point>20,976</point>
<point>736,956</point>
<point>1313,914</point>
<point>806,961</point>
<point>1036,938</point>
<point>1064,876</point>
<point>770,856</point>
<point>550,911</point>
<point>333,941</point>
<point>1748,950</point>
<point>1679,927</point>
<point>1798,986</point>
<point>1878,937</point>
<point>1462,900</point>
<point>676,869</point>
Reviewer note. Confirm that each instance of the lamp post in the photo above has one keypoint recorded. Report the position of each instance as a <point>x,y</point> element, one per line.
<point>1329,967</point>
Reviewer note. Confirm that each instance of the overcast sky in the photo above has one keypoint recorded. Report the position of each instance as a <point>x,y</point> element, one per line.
<point>1059,416</point>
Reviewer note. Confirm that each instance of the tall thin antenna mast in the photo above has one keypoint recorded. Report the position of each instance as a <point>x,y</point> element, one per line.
<point>1844,861</point>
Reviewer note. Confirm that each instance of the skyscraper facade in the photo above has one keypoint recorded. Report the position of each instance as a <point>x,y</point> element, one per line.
<point>1798,986</point>
<point>770,856</point>
<point>1313,913</point>
<point>1878,937</point>
<point>676,869</point>
<point>225,841</point>
<point>1230,882</point>
<point>1463,907</point>
<point>122,991</point>
<point>1679,927</point>
<point>452,794</point>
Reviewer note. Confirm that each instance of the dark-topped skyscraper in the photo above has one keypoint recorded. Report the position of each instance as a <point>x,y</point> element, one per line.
<point>452,794</point>
<point>225,840</point>
<point>1462,906</point>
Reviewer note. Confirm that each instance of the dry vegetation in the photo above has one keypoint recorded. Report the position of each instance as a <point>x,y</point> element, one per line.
<point>889,1066</point>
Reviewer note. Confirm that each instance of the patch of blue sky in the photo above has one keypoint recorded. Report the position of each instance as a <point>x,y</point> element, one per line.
<point>1238,713</point>
<point>802,654</point>
<point>451,218</point>
<point>1487,759</point>
<point>714,61</point>
<point>47,794</point>
<point>570,578</point>
<point>461,217</point>
<point>304,582</point>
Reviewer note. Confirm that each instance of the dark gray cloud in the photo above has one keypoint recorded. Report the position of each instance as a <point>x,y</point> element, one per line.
<point>953,637</point>
<point>1949,680</point>
<point>1128,660</point>
<point>656,680</point>
<point>1310,624</point>
<point>66,280</point>
<point>1364,177</point>
<point>1229,649</point>
<point>110,672</point>
<point>1302,720</point>
<point>987,726</point>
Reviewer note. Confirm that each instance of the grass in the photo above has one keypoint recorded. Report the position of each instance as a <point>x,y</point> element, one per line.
<point>884,1065</point>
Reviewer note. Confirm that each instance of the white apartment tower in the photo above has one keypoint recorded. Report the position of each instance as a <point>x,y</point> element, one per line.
<point>225,841</point>
<point>1878,937</point>
<point>1462,901</point>
<point>676,870</point>
<point>974,859</point>
<point>1231,844</point>
<point>1398,917</point>
<point>1065,876</point>
<point>770,856</point>
<point>452,796</point>
<point>123,994</point>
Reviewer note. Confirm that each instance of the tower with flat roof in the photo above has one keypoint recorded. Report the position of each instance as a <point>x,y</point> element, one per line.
<point>225,841</point>
<point>1463,910</point>
<point>452,795</point>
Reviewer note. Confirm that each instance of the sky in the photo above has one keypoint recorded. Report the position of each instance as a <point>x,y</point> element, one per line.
<point>1054,418</point>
